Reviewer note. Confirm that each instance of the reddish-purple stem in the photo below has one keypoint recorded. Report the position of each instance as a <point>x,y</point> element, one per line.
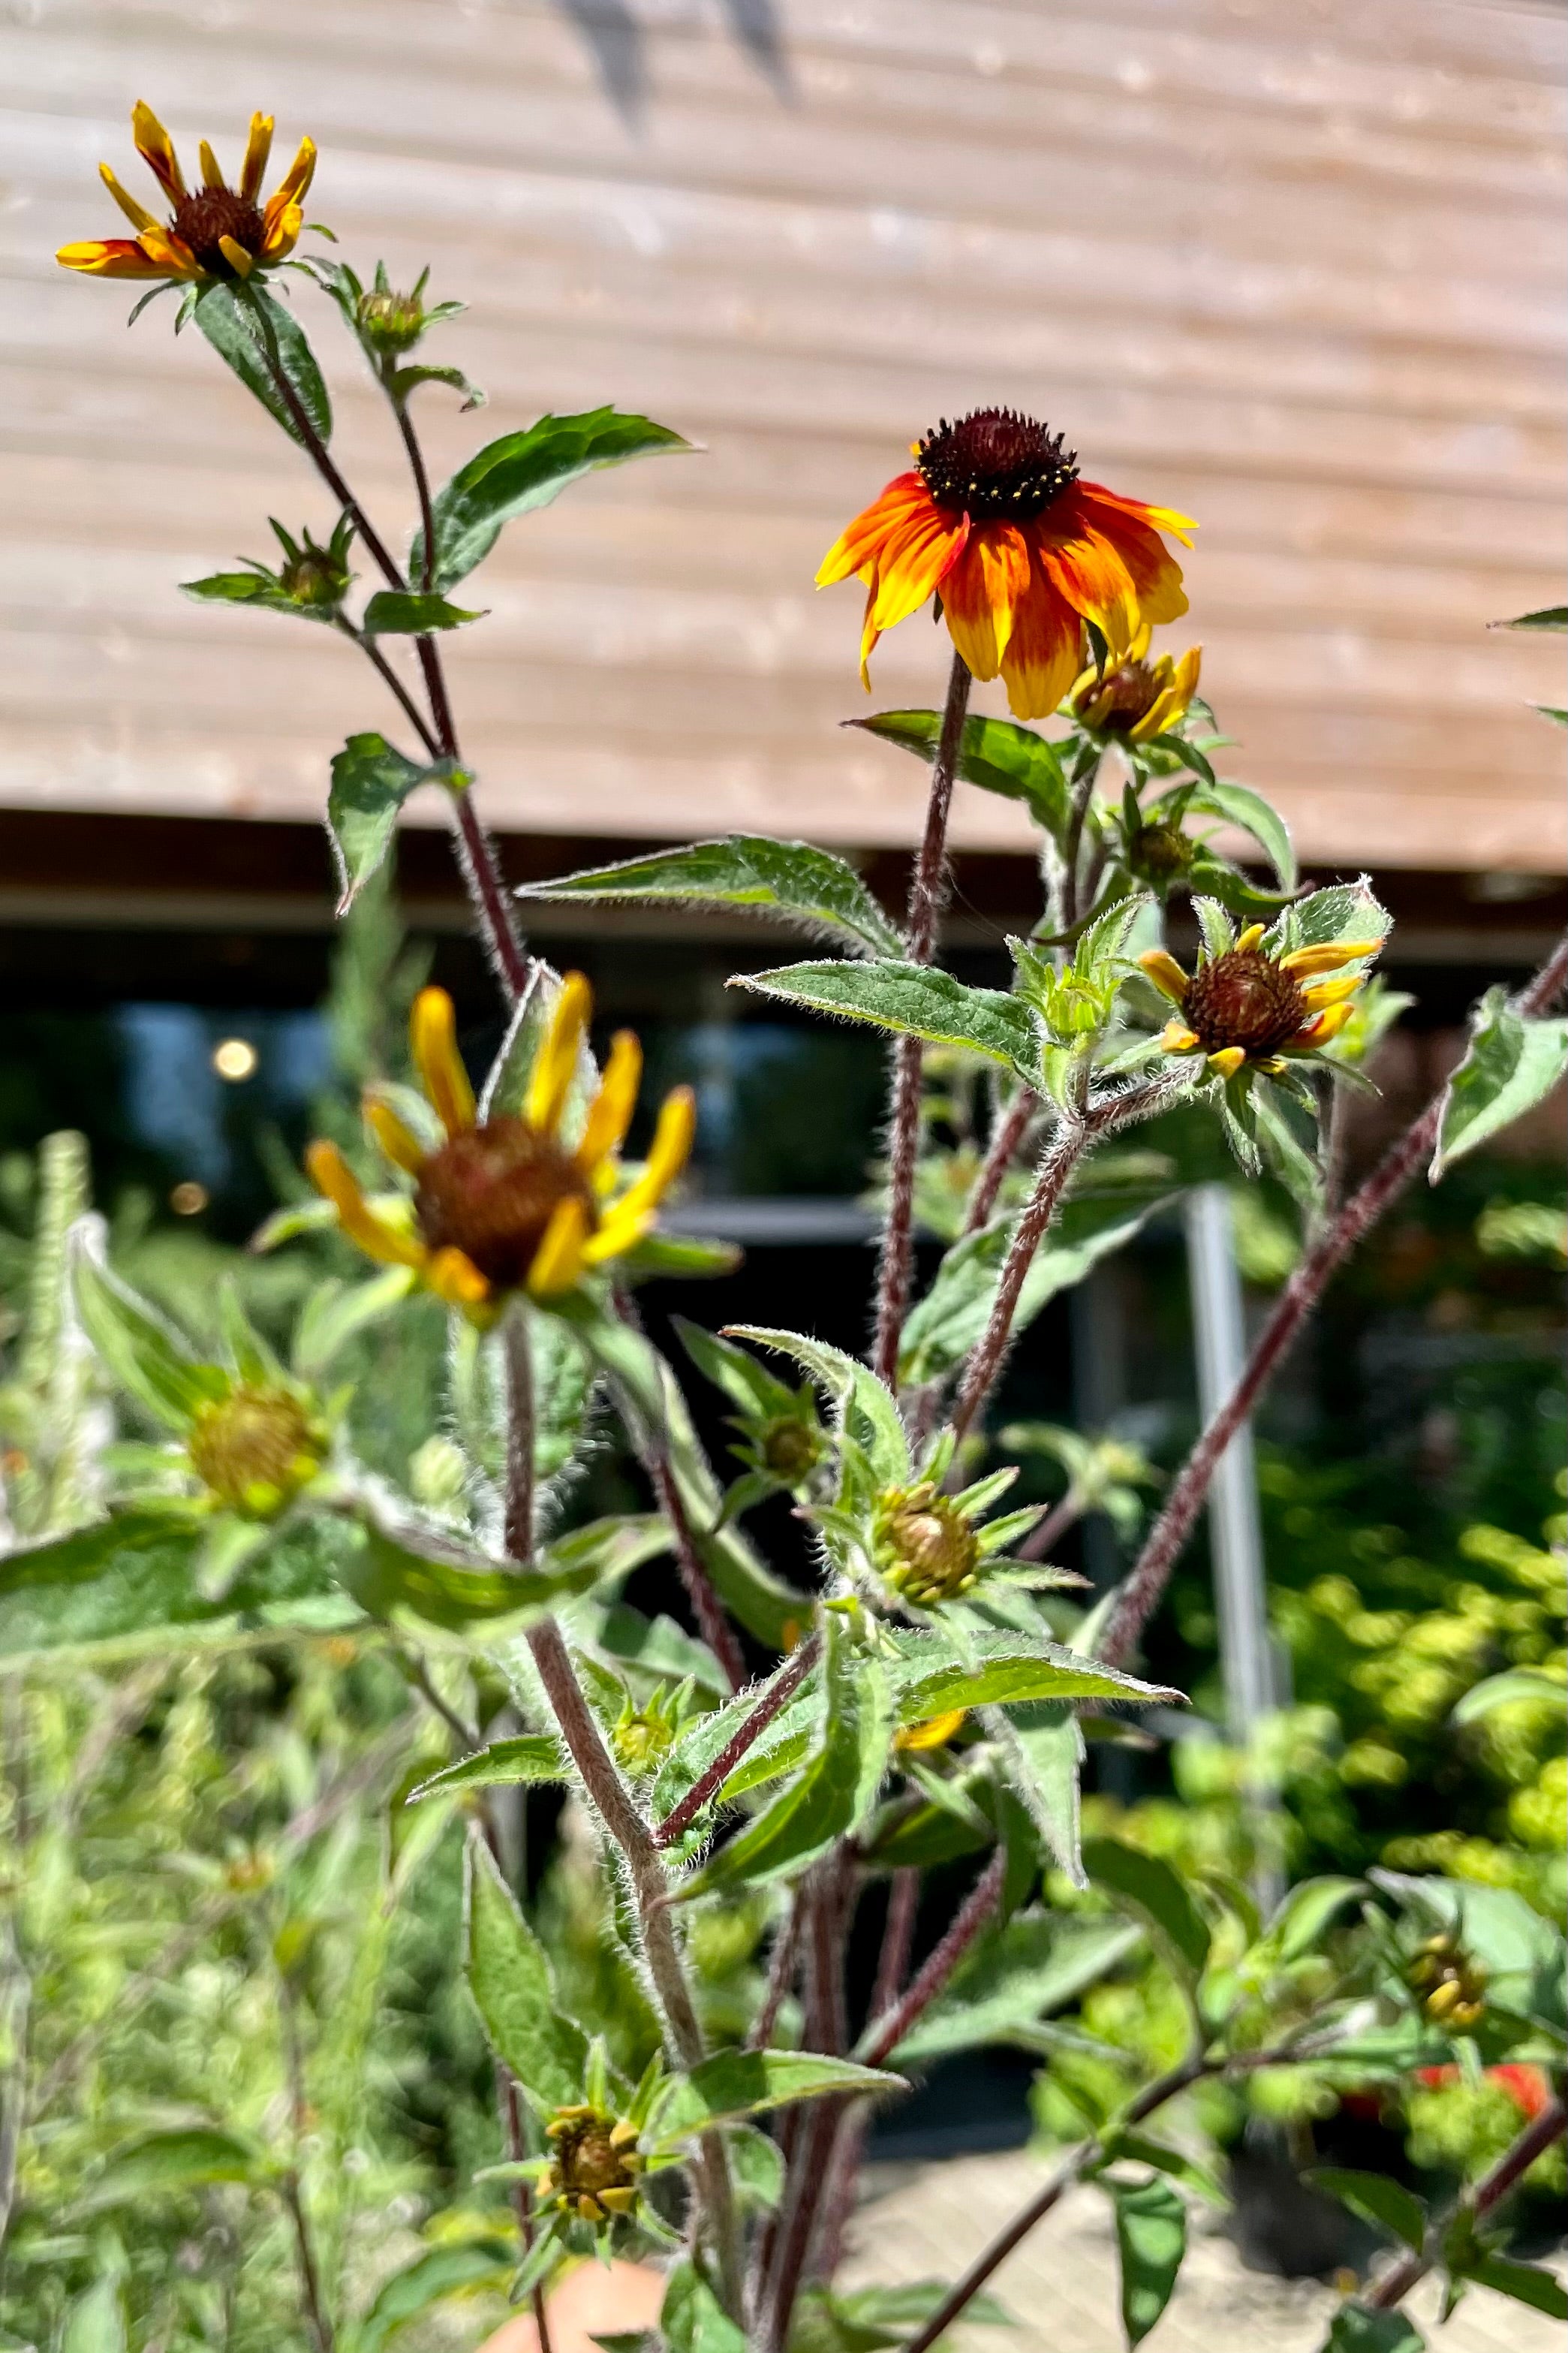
<point>1009,1136</point>
<point>773,1700</point>
<point>927,891</point>
<point>711,1623</point>
<point>884,2034</point>
<point>1483,2199</point>
<point>1152,1571</point>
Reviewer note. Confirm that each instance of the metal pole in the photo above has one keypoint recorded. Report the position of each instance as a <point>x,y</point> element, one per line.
<point>1235,1534</point>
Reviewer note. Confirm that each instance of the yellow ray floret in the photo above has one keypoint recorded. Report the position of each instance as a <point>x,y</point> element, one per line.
<point>610,1115</point>
<point>366,1227</point>
<point>1303,962</point>
<point>433,1041</point>
<point>555,1064</point>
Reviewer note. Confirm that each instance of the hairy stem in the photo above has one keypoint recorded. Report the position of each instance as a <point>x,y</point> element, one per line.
<point>519,1437</point>
<point>394,685</point>
<point>1083,793</point>
<point>775,1698</point>
<point>1011,1129</point>
<point>927,891</point>
<point>850,2148</point>
<point>1152,1571</point>
<point>781,1978</point>
<point>1487,2196</point>
<point>311,2297</point>
<point>884,2034</point>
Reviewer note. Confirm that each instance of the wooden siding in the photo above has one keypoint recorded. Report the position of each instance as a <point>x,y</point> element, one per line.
<point>1294,265</point>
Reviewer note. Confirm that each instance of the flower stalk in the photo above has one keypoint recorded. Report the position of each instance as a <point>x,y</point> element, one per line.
<point>771,1703</point>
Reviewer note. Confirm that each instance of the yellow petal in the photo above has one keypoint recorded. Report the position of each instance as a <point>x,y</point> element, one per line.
<point>558,1261</point>
<point>1177,1039</point>
<point>1158,717</point>
<point>613,1106</point>
<point>297,178</point>
<point>399,1143</point>
<point>1165,973</point>
<point>112,256</point>
<point>452,1275</point>
<point>1303,961</point>
<point>555,1064</point>
<point>172,254</point>
<point>1229,1060</point>
<point>935,1733</point>
<point>280,231</point>
<point>137,215</point>
<point>433,1040</point>
<point>672,1140</point>
<point>616,1233</point>
<point>1332,992</point>
<point>1274,1066</point>
<point>257,148</point>
<point>234,254</point>
<point>212,176</point>
<point>1328,1024</point>
<point>156,149</point>
<point>1250,939</point>
<point>331,1174</point>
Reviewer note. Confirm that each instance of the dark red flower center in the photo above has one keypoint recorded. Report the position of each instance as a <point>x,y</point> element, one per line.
<point>491,1193</point>
<point>995,463</point>
<point>210,213</point>
<point>1244,999</point>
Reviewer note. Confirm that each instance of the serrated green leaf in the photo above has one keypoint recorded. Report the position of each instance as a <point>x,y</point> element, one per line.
<point>514,1992</point>
<point>1238,804</point>
<point>1033,1967</point>
<point>1357,2328</point>
<point>1151,2240</point>
<point>1345,911</point>
<point>867,1412</point>
<point>997,754</point>
<point>1550,617</point>
<point>738,2084</point>
<point>461,2270</point>
<point>403,613</point>
<point>521,472</point>
<point>253,333</point>
<point>1376,2199</point>
<point>522,1761</point>
<point>1042,1755</point>
<point>734,1370</point>
<point>1003,1670</point>
<point>914,1001</point>
<point>143,1353</point>
<point>1146,1885</point>
<point>189,2158</point>
<point>791,879</point>
<point>1511,1064</point>
<point>1525,2283</point>
<point>371,781</point>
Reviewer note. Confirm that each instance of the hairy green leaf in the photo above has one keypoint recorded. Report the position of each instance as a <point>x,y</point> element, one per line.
<point>463,2269</point>
<point>506,1764</point>
<point>1151,2239</point>
<point>401,613</point>
<point>514,1992</point>
<point>1376,2199</point>
<point>1525,2283</point>
<point>691,2319</point>
<point>916,1000</point>
<point>997,754</point>
<point>1033,1967</point>
<point>1238,804</point>
<point>1357,2328</point>
<point>1308,1911</point>
<point>1511,1064</point>
<point>524,470</point>
<point>792,880</point>
<point>371,781</point>
<point>189,2158</point>
<point>1550,617</point>
<point>1042,1755</point>
<point>1000,1670</point>
<point>259,339</point>
<point>1146,1885</point>
<point>146,1356</point>
<point>95,2321</point>
<point>867,1412</point>
<point>1502,1691</point>
<point>739,2084</point>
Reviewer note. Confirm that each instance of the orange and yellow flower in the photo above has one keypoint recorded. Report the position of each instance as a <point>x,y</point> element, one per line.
<point>1132,698</point>
<point>1248,1007</point>
<point>504,1204</point>
<point>213,232</point>
<point>996,521</point>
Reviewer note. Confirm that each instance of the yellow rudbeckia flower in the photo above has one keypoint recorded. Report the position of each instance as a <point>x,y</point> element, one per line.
<point>1133,698</point>
<point>1247,1006</point>
<point>504,1205</point>
<point>213,232</point>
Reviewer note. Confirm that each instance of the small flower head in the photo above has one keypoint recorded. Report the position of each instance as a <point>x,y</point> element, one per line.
<point>1250,1007</point>
<point>1160,854</point>
<point>1132,699</point>
<point>314,577</point>
<point>641,1738</point>
<point>254,1449</point>
<point>788,1446</point>
<point>505,1204</point>
<point>1452,1984</point>
<point>996,522</point>
<point>213,232</point>
<point>595,2166</point>
<point>923,1545</point>
<point>391,323</point>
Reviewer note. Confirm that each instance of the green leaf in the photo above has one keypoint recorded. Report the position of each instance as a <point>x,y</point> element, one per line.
<point>945,1323</point>
<point>255,336</point>
<point>1001,1670</point>
<point>1376,2199</point>
<point>1521,1953</point>
<point>525,471</point>
<point>1147,1885</point>
<point>1141,2149</point>
<point>1550,617</point>
<point>1279,1126</point>
<point>735,1371</point>
<point>738,2084</point>
<point>188,2158</point>
<point>997,754</point>
<point>400,613</point>
<point>129,1584</point>
<point>1238,804</point>
<point>1042,1754</point>
<point>145,1355</point>
<point>1035,1966</point>
<point>514,1992</point>
<point>792,880</point>
<point>916,1000</point>
<point>1526,2282</point>
<point>371,781</point>
<point>409,1568</point>
<point>1357,2328</point>
<point>474,2266</point>
<point>868,1413</point>
<point>1502,1691</point>
<point>1510,1065</point>
<point>527,1758</point>
<point>691,2318</point>
<point>96,2320</point>
<point>336,1312</point>
<point>1345,911</point>
<point>1308,1911</point>
<point>1151,2239</point>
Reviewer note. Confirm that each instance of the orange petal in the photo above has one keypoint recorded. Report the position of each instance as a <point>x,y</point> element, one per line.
<point>1180,526</point>
<point>172,254</point>
<point>1155,575</point>
<point>258,147</point>
<point>452,1275</point>
<point>1043,651</point>
<point>1087,570</point>
<point>861,542</point>
<point>112,256</point>
<point>156,150</point>
<point>982,593</point>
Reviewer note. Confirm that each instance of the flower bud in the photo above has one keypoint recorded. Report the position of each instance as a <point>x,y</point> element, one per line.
<point>254,1449</point>
<point>389,321</point>
<point>595,2164</point>
<point>923,1545</point>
